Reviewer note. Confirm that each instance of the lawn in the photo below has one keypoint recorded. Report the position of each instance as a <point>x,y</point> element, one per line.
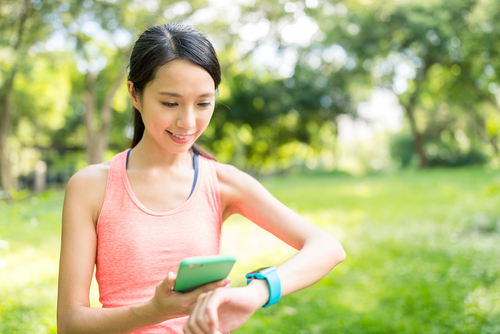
<point>423,255</point>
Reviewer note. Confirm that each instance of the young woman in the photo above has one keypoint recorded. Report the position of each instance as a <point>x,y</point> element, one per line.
<point>137,216</point>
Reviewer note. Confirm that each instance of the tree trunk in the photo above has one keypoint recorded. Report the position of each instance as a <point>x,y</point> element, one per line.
<point>98,132</point>
<point>417,136</point>
<point>107,116</point>
<point>88,118</point>
<point>6,179</point>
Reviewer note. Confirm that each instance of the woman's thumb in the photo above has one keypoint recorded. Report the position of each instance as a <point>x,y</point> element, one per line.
<point>170,280</point>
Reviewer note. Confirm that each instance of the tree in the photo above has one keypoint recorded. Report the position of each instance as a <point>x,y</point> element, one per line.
<point>22,24</point>
<point>400,44</point>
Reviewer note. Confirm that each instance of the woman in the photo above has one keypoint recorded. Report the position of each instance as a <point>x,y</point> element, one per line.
<point>137,216</point>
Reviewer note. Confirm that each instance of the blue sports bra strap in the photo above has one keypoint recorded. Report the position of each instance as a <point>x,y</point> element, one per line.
<point>128,153</point>
<point>195,162</point>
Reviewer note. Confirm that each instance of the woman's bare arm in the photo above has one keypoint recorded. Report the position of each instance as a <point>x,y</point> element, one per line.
<point>84,196</point>
<point>319,252</point>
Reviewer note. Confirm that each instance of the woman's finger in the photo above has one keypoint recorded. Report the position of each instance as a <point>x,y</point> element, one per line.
<point>214,285</point>
<point>201,318</point>
<point>211,311</point>
<point>169,282</point>
<point>191,324</point>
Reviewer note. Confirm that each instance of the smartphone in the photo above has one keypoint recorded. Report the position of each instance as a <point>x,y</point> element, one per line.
<point>196,271</point>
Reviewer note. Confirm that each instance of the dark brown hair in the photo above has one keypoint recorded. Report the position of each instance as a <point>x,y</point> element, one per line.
<point>160,45</point>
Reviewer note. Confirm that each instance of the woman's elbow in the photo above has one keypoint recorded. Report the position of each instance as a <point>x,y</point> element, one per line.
<point>64,320</point>
<point>61,326</point>
<point>341,255</point>
<point>337,251</point>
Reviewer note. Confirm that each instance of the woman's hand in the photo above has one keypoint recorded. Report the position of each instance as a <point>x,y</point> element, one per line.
<point>224,310</point>
<point>169,304</point>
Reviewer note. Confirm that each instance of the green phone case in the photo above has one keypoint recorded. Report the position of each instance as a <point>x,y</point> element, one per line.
<point>196,271</point>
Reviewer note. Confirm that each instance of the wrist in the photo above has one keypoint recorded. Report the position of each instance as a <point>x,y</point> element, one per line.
<point>270,276</point>
<point>149,312</point>
<point>260,290</point>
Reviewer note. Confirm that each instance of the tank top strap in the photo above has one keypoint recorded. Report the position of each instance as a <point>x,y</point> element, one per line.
<point>211,183</point>
<point>114,182</point>
<point>118,167</point>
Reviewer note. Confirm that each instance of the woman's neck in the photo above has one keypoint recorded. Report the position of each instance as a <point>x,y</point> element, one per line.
<point>147,154</point>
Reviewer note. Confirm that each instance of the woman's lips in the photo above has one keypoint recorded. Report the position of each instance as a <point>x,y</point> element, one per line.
<point>180,139</point>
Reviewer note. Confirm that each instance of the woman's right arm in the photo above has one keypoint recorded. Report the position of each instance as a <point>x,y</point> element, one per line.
<point>82,203</point>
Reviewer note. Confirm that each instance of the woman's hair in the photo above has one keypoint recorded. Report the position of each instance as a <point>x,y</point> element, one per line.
<point>160,45</point>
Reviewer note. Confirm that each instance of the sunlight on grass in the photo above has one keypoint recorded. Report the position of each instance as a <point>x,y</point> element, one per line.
<point>94,293</point>
<point>253,247</point>
<point>27,266</point>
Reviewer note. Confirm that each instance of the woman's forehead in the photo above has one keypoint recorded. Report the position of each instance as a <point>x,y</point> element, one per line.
<point>180,77</point>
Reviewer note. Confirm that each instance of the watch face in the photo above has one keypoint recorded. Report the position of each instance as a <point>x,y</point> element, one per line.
<point>257,270</point>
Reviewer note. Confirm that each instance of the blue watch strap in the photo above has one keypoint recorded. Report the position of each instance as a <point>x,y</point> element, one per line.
<point>271,276</point>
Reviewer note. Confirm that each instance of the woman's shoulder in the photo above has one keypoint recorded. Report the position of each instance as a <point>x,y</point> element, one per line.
<point>239,191</point>
<point>90,176</point>
<point>87,188</point>
<point>228,174</point>
<point>234,182</point>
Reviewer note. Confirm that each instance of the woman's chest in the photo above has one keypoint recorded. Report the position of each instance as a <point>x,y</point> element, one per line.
<point>162,193</point>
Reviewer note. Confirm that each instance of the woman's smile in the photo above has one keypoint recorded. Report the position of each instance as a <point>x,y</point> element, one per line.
<point>178,138</point>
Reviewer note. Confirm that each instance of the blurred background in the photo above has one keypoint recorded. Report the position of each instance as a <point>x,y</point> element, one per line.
<point>322,85</point>
<point>384,116</point>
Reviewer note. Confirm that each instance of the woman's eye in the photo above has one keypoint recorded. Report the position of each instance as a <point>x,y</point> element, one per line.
<point>204,105</point>
<point>168,104</point>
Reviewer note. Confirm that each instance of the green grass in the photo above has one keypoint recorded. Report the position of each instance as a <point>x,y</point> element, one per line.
<point>29,252</point>
<point>423,255</point>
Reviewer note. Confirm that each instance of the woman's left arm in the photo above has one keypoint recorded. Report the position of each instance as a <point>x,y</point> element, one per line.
<point>319,252</point>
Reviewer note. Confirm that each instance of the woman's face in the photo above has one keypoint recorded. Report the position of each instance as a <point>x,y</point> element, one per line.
<point>177,105</point>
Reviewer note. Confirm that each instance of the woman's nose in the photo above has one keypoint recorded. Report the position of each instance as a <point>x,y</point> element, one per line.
<point>186,119</point>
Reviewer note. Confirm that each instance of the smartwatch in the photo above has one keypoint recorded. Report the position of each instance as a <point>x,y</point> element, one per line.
<point>271,276</point>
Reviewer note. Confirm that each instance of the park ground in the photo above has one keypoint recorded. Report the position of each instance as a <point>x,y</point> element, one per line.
<point>423,255</point>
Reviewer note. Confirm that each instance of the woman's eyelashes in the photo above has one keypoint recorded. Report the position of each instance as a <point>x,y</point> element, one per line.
<point>172,105</point>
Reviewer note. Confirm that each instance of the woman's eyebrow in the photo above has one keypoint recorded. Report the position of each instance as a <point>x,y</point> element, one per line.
<point>169,94</point>
<point>178,95</point>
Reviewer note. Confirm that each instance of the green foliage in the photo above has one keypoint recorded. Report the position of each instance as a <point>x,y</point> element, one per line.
<point>402,148</point>
<point>440,152</point>
<point>267,130</point>
<point>267,121</point>
<point>443,156</point>
<point>422,255</point>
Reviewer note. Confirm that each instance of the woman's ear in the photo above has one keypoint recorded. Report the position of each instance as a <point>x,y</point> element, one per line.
<point>133,95</point>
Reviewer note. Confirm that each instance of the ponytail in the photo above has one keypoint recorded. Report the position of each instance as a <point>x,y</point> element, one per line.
<point>138,128</point>
<point>201,151</point>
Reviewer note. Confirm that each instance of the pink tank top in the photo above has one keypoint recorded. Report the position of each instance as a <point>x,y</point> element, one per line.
<point>137,247</point>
